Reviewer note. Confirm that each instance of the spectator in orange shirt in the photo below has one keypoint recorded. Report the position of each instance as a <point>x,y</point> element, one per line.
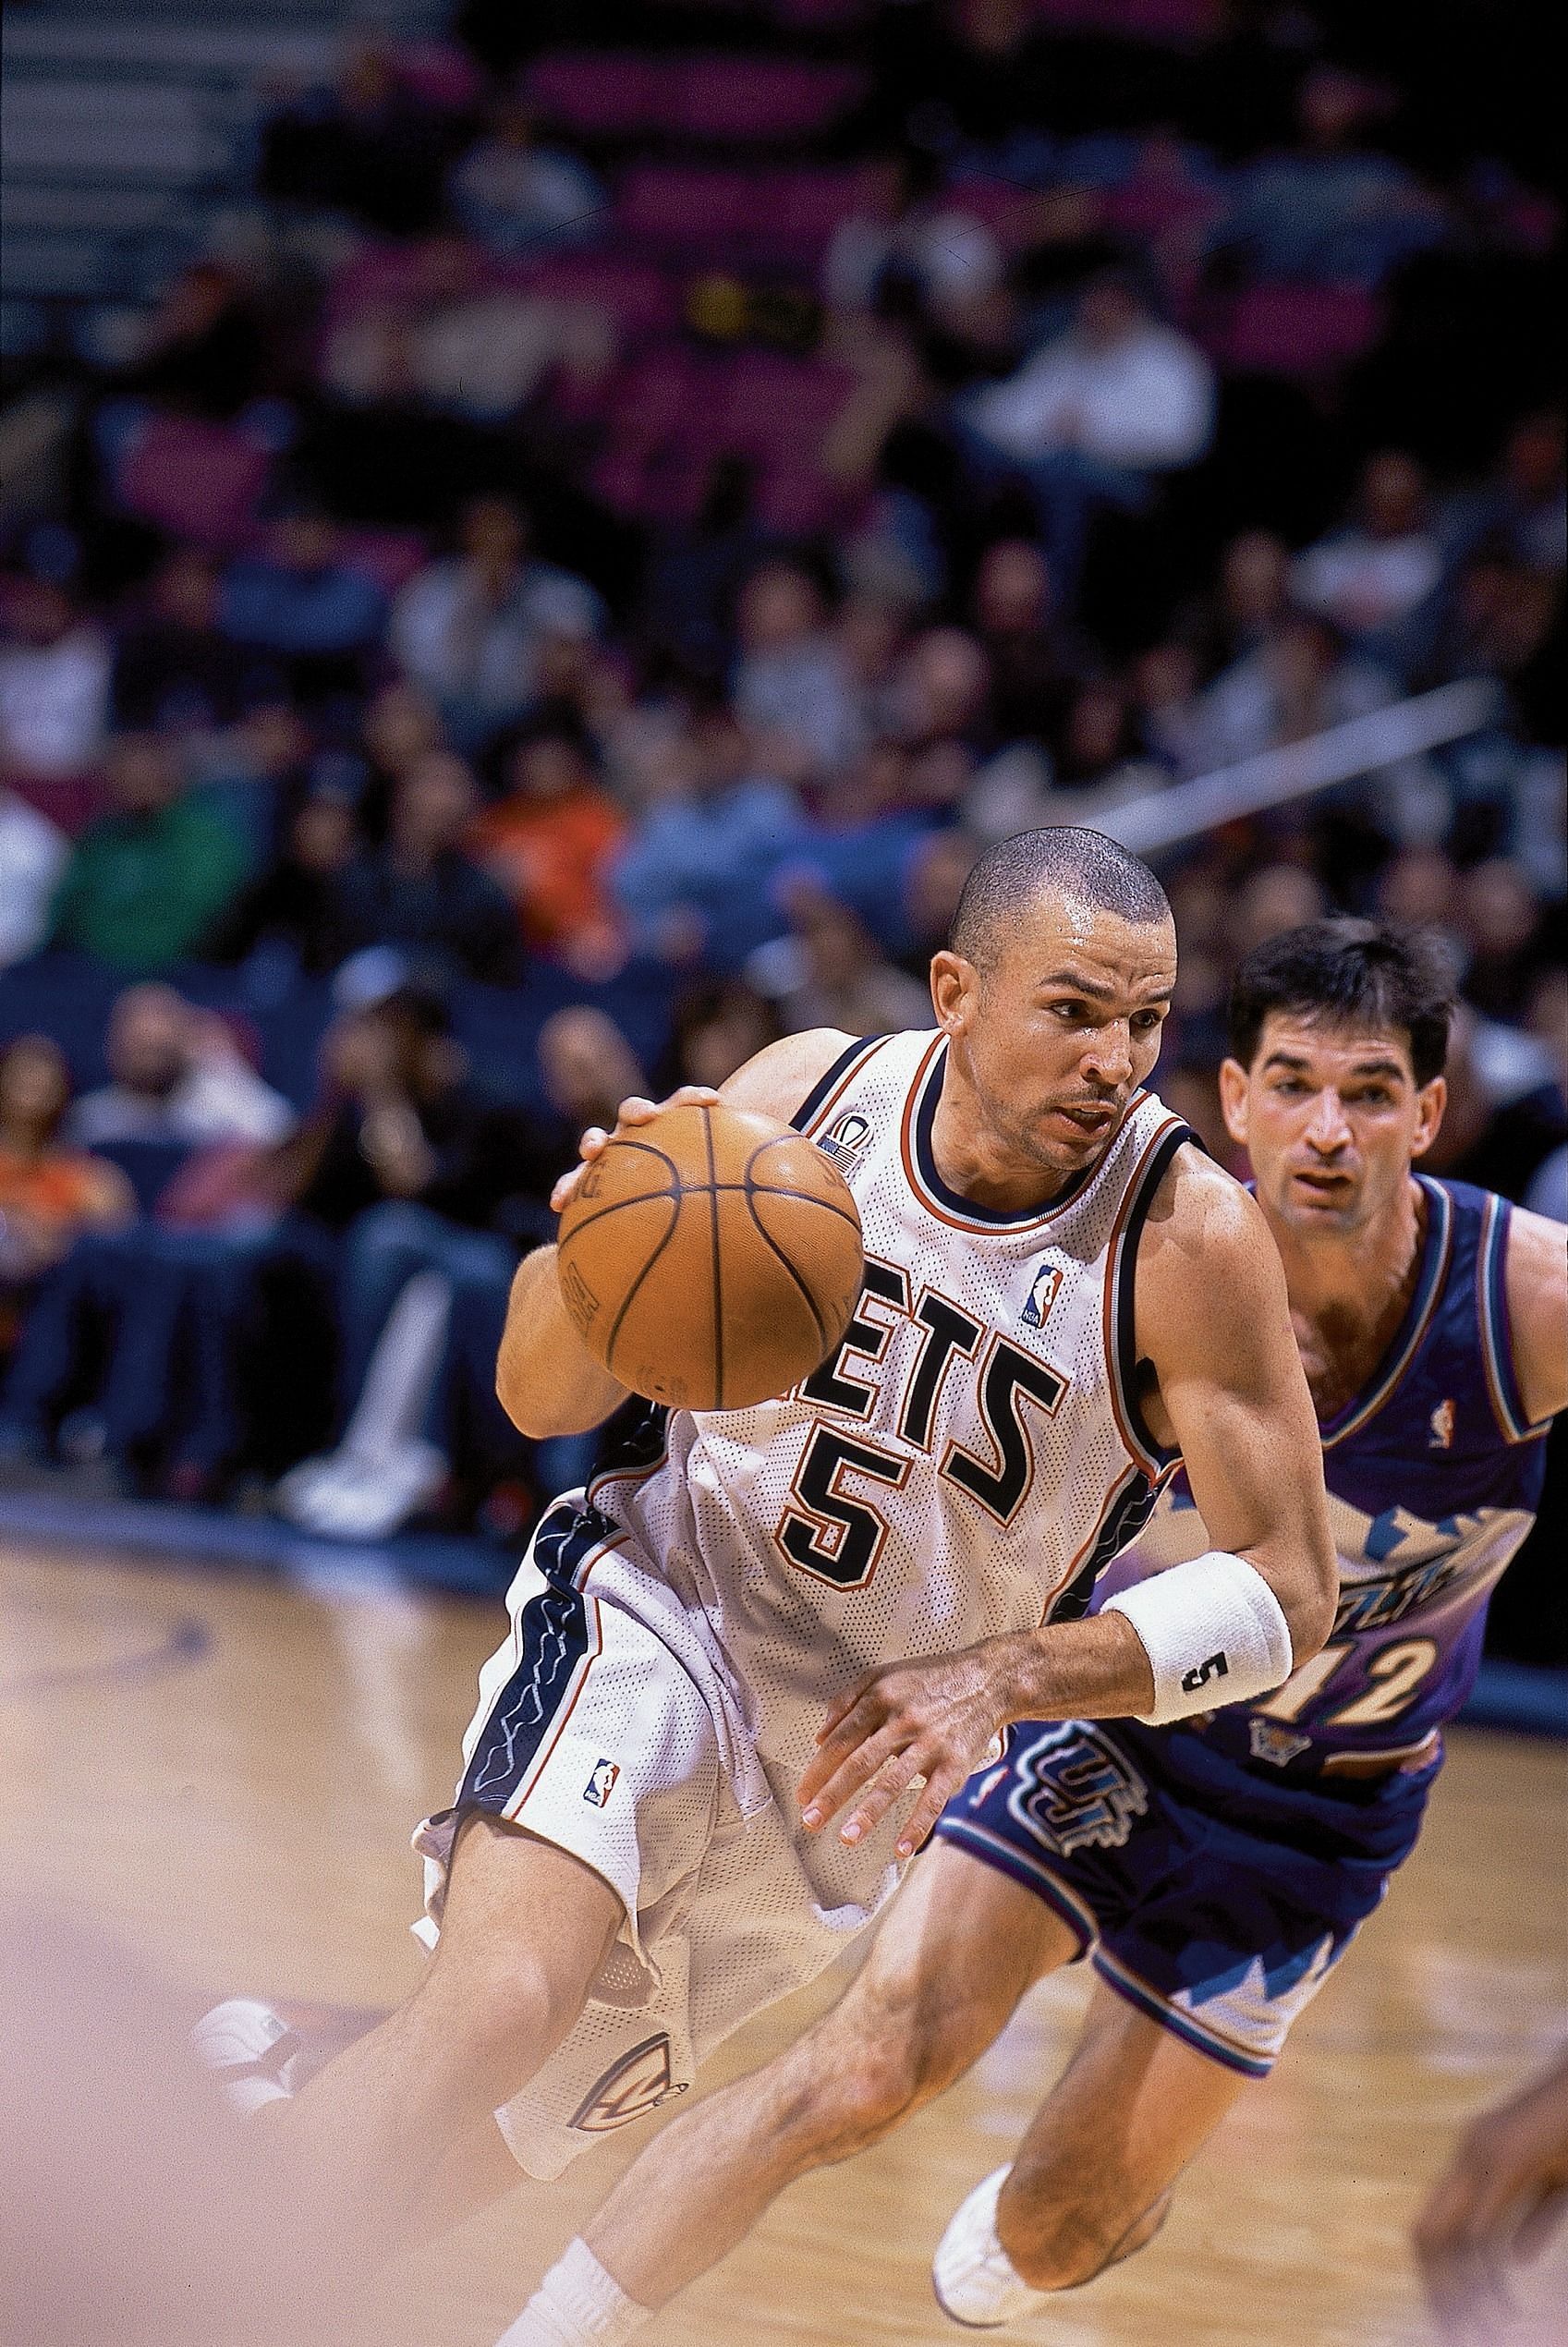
<point>49,1194</point>
<point>550,843</point>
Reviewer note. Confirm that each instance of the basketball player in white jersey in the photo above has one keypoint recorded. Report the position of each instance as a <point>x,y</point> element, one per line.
<point>748,1667</point>
<point>1213,1869</point>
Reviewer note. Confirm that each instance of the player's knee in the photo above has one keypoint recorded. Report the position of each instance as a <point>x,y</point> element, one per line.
<point>1060,2238</point>
<point>898,2055</point>
<point>506,2011</point>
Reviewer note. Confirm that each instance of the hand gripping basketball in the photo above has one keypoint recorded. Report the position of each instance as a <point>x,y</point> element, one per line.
<point>709,1257</point>
<point>633,1111</point>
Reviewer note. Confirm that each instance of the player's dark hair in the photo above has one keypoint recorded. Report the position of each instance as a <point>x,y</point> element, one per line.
<point>1344,972</point>
<point>1069,861</point>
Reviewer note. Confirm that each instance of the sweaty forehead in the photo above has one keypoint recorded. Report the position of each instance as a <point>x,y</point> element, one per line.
<point>1332,1049</point>
<point>1055,933</point>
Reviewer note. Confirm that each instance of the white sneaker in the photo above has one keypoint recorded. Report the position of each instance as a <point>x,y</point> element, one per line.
<point>975,2280</point>
<point>350,1495</point>
<point>252,2052</point>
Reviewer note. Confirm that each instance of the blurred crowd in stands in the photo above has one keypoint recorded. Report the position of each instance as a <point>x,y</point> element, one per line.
<point>562,593</point>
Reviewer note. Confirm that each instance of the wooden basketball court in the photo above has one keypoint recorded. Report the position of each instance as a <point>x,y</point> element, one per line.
<point>225,1770</point>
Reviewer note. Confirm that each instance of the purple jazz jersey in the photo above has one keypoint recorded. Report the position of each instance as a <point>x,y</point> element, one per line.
<point>1434,1476</point>
<point>1215,1871</point>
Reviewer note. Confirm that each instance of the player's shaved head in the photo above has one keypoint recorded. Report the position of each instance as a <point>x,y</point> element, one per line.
<point>1067,860</point>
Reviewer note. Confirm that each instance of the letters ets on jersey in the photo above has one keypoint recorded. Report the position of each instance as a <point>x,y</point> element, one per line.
<point>962,1465</point>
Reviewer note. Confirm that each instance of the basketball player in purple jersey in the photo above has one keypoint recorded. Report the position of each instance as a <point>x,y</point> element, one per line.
<point>1214,1869</point>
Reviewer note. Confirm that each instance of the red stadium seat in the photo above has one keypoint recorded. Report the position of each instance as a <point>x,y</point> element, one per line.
<point>638,295</point>
<point>1295,330</point>
<point>196,479</point>
<point>599,95</point>
<point>736,100</point>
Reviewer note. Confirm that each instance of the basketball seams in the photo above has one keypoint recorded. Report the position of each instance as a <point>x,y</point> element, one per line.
<point>717,1257</point>
<point>631,1294</point>
<point>801,1197</point>
<point>846,1212</point>
<point>662,1293</point>
<point>755,1189</point>
<point>775,1249</point>
<point>640,1149</point>
<point>618,1204</point>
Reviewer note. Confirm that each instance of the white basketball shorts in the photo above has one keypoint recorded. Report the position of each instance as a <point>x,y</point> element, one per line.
<point>590,1733</point>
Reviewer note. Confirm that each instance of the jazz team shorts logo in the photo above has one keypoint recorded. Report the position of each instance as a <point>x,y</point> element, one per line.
<point>1074,1791</point>
<point>629,2089</point>
<point>601,1784</point>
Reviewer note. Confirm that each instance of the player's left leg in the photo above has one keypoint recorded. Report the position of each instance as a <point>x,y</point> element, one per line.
<point>1091,2180</point>
<point>959,1947</point>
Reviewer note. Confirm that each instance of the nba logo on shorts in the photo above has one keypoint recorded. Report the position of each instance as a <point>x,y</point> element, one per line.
<point>1042,1295</point>
<point>601,1784</point>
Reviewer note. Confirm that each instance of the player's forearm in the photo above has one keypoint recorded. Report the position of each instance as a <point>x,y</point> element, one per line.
<point>1095,1670</point>
<point>546,1380</point>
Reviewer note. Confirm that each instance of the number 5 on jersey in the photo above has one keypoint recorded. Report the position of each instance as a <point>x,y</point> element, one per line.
<point>830,1534</point>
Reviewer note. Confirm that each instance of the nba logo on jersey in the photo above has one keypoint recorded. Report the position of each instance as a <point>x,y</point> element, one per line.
<point>1042,1295</point>
<point>846,1142</point>
<point>601,1784</point>
<point>1442,1424</point>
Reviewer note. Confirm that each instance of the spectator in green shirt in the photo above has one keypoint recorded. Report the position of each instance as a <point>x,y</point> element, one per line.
<point>147,879</point>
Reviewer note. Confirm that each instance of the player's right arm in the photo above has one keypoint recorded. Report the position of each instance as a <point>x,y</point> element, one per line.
<point>1536,1280</point>
<point>546,1380</point>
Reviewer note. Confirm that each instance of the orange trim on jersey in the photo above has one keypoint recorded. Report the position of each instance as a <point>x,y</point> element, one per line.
<point>856,1067</point>
<point>623,1475</point>
<point>976,1227</point>
<point>1111,1501</point>
<point>1142,1457</point>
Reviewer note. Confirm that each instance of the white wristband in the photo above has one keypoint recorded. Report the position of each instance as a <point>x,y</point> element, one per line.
<point>1214,1632</point>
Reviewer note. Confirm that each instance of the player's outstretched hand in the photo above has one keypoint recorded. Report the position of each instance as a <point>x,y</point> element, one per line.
<point>629,1116</point>
<point>929,1722</point>
<point>1501,2199</point>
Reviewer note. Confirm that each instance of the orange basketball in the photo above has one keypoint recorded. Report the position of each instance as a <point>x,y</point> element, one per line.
<point>711,1259</point>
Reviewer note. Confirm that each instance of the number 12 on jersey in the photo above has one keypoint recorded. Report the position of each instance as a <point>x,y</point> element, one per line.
<point>1397,1673</point>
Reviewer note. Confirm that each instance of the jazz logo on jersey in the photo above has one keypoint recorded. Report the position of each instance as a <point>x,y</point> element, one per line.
<point>846,1142</point>
<point>631,2088</point>
<point>601,1784</point>
<point>1442,1424</point>
<point>1274,1743</point>
<point>1042,1295</point>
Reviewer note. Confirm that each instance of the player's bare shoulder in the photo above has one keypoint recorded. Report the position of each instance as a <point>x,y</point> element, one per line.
<point>1535,1276</point>
<point>1202,1225</point>
<point>1209,1283</point>
<point>780,1076</point>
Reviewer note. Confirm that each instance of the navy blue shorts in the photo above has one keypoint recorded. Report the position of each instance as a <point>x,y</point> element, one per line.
<point>1215,1899</point>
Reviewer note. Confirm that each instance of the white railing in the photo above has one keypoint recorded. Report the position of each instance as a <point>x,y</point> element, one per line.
<point>1361,746</point>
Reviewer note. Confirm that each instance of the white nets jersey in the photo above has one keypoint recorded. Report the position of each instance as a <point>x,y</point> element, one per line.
<point>962,1466</point>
